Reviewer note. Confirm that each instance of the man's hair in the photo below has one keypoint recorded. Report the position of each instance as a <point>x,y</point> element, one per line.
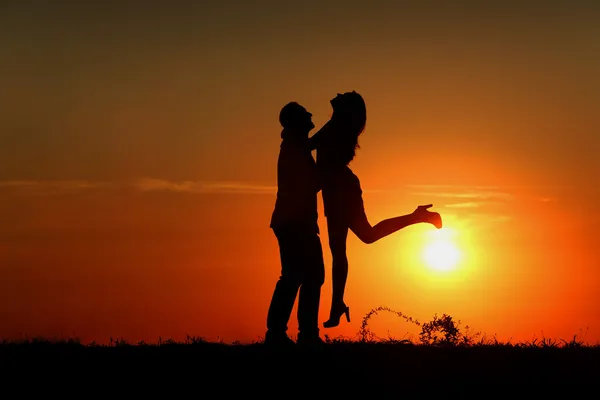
<point>288,116</point>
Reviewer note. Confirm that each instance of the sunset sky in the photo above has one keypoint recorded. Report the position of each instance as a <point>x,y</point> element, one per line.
<point>139,142</point>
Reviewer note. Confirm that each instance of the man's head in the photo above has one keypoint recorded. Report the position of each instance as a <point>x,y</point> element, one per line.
<point>295,120</point>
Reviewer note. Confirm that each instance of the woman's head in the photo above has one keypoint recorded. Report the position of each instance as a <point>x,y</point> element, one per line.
<point>350,117</point>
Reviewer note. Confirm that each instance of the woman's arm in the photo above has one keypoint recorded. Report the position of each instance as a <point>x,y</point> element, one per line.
<point>315,140</point>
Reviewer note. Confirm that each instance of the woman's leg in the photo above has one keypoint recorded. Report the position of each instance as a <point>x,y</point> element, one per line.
<point>338,232</point>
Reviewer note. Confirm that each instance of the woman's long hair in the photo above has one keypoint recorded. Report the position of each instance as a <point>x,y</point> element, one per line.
<point>350,117</point>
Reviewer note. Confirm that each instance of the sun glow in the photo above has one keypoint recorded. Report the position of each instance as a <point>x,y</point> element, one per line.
<point>441,253</point>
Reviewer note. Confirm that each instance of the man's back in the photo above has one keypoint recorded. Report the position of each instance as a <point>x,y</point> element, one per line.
<point>297,187</point>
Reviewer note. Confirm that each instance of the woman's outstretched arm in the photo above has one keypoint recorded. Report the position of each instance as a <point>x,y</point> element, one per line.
<point>370,234</point>
<point>315,140</point>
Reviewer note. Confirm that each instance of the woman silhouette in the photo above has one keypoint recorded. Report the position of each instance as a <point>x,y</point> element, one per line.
<point>336,143</point>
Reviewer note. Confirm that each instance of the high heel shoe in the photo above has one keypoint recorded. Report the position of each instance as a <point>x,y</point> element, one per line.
<point>335,315</point>
<point>424,215</point>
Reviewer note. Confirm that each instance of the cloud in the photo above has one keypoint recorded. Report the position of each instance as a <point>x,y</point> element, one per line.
<point>481,207</point>
<point>462,192</point>
<point>152,185</point>
<point>473,204</point>
<point>458,196</point>
<point>64,187</point>
<point>468,194</point>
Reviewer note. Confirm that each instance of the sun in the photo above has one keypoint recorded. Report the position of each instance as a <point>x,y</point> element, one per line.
<point>441,253</point>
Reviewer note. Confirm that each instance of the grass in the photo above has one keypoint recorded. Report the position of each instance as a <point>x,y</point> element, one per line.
<point>445,359</point>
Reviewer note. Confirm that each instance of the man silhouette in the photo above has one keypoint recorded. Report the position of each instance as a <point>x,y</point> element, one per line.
<point>294,222</point>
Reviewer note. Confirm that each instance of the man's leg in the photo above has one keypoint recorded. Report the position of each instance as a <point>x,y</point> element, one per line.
<point>310,291</point>
<point>286,288</point>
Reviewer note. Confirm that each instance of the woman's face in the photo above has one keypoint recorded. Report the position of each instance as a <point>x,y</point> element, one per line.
<point>339,100</point>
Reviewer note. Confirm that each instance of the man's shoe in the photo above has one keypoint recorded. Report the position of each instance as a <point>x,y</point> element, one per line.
<point>278,339</point>
<point>309,341</point>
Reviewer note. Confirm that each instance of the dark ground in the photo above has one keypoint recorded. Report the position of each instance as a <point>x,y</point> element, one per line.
<point>212,370</point>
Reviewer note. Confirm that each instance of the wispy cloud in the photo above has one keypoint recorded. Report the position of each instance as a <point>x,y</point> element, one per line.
<point>458,192</point>
<point>151,184</point>
<point>438,187</point>
<point>66,187</point>
<point>473,204</point>
<point>456,196</point>
<point>473,196</point>
<point>480,206</point>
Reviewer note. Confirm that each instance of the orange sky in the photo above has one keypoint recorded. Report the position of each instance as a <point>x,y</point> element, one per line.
<point>137,169</point>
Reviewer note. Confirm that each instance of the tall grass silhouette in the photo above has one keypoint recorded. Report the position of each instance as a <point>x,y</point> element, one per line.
<point>441,331</point>
<point>444,330</point>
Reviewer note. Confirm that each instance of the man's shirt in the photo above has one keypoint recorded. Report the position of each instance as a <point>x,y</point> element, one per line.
<point>297,187</point>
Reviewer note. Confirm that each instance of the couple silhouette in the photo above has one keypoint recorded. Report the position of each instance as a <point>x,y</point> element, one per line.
<point>294,219</point>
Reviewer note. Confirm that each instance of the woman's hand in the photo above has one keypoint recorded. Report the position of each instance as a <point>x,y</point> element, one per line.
<point>422,214</point>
